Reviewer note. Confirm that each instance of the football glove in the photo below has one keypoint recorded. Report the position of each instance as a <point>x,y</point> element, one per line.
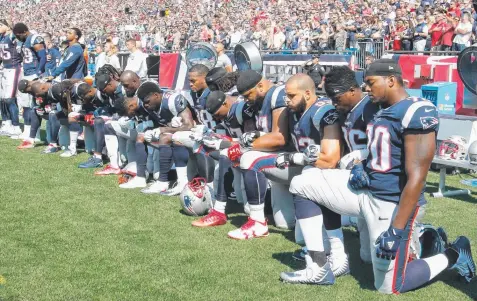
<point>176,122</point>
<point>76,108</point>
<point>123,121</point>
<point>283,160</point>
<point>152,135</point>
<point>312,154</point>
<point>40,111</point>
<point>358,178</point>
<point>89,119</point>
<point>352,158</point>
<point>248,138</point>
<point>387,244</point>
<point>234,153</point>
<point>212,141</point>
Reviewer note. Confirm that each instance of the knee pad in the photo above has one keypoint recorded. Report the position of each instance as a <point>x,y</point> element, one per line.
<point>283,206</point>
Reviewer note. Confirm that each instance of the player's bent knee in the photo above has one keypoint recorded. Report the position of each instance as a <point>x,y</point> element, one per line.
<point>296,186</point>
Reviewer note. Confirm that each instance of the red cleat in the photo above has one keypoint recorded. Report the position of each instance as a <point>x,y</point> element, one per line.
<point>214,218</point>
<point>26,145</point>
<point>108,170</point>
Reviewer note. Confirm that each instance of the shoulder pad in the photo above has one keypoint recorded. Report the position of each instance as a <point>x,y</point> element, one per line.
<point>421,114</point>
<point>36,39</point>
<point>278,98</point>
<point>325,115</point>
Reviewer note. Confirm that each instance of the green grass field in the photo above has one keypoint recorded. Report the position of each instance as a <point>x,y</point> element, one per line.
<point>68,235</point>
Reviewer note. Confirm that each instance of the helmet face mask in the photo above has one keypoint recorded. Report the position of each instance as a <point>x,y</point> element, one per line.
<point>453,148</point>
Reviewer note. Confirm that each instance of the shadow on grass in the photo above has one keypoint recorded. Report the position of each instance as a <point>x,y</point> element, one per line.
<point>433,187</point>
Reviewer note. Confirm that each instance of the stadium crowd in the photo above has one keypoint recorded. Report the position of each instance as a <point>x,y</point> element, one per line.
<point>272,24</point>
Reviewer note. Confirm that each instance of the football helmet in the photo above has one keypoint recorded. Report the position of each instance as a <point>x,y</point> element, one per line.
<point>196,198</point>
<point>453,148</point>
<point>473,153</point>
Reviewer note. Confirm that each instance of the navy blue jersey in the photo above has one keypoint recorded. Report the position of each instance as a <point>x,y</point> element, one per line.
<point>354,127</point>
<point>31,60</point>
<point>55,57</point>
<point>172,105</point>
<point>307,129</point>
<point>274,99</point>
<point>386,161</point>
<point>198,106</point>
<point>9,53</point>
<point>239,114</point>
<point>73,64</point>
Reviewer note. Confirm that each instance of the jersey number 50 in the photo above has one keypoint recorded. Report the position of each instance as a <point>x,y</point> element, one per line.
<point>379,145</point>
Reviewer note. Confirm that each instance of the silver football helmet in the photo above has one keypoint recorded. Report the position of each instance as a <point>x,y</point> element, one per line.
<point>473,153</point>
<point>196,198</point>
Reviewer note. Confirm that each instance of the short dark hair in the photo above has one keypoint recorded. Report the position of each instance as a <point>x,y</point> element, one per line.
<point>339,80</point>
<point>83,89</point>
<point>20,28</point>
<point>78,32</point>
<point>199,69</point>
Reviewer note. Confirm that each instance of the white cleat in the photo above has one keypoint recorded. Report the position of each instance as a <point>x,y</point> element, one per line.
<point>339,265</point>
<point>15,131</point>
<point>175,190</point>
<point>156,187</point>
<point>313,274</point>
<point>136,182</point>
<point>5,130</point>
<point>251,229</point>
<point>68,154</point>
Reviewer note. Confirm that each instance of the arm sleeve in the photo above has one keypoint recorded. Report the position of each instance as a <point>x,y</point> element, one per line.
<point>73,55</point>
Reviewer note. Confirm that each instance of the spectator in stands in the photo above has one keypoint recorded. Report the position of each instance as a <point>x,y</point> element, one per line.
<point>340,37</point>
<point>447,33</point>
<point>222,59</point>
<point>436,30</point>
<point>136,60</point>
<point>463,33</point>
<point>53,57</point>
<point>100,58</point>
<point>420,35</point>
<point>111,57</point>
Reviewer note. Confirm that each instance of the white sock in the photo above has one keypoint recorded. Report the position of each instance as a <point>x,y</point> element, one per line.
<point>181,174</point>
<point>211,189</point>
<point>7,123</point>
<point>112,146</point>
<point>437,264</point>
<point>54,144</point>
<point>311,233</point>
<point>99,156</point>
<point>257,212</point>
<point>156,176</point>
<point>220,206</point>
<point>26,130</point>
<point>335,238</point>
<point>73,141</point>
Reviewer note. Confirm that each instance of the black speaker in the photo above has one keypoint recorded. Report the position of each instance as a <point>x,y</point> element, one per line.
<point>152,63</point>
<point>467,68</point>
<point>127,10</point>
<point>162,13</point>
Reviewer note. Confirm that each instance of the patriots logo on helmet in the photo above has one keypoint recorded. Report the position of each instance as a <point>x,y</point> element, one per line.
<point>331,118</point>
<point>429,122</point>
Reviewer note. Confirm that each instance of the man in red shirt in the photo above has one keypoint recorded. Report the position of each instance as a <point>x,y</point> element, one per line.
<point>454,10</point>
<point>436,31</point>
<point>447,34</point>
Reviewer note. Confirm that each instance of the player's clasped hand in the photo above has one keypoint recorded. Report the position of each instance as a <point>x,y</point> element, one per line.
<point>283,160</point>
<point>388,242</point>
<point>358,178</point>
<point>248,138</point>
<point>152,135</point>
<point>312,153</point>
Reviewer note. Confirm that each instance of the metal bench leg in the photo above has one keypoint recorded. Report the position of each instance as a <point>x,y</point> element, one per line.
<point>441,192</point>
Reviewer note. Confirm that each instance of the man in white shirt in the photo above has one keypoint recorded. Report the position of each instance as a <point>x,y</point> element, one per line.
<point>222,59</point>
<point>463,33</point>
<point>136,60</point>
